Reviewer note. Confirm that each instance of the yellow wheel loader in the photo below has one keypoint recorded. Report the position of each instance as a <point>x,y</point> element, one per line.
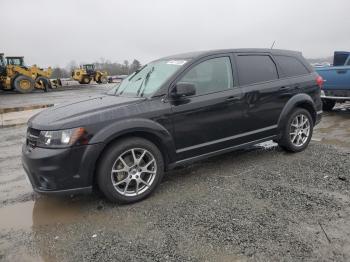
<point>87,73</point>
<point>15,75</point>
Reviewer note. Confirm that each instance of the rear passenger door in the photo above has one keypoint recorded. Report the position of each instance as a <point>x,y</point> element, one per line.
<point>264,94</point>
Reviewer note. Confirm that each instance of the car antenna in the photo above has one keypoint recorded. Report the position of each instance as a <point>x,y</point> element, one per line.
<point>273,44</point>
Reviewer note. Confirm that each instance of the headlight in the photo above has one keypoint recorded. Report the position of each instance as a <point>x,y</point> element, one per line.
<point>63,138</point>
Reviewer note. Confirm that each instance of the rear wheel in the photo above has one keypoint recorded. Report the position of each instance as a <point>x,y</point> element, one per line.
<point>85,80</point>
<point>130,170</point>
<point>327,104</point>
<point>44,82</point>
<point>23,84</point>
<point>297,132</point>
<point>103,80</point>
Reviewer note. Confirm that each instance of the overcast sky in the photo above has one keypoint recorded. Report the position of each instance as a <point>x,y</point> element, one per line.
<point>55,32</point>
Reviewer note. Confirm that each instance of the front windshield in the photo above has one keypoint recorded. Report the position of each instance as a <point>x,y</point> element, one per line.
<point>148,79</point>
<point>15,61</point>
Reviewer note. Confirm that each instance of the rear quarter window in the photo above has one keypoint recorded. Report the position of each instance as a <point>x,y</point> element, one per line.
<point>255,69</point>
<point>291,66</point>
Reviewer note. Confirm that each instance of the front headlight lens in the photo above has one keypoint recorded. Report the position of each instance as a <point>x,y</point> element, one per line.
<point>62,138</point>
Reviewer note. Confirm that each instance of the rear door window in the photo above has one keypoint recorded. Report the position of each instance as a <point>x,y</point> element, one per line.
<point>255,69</point>
<point>291,66</point>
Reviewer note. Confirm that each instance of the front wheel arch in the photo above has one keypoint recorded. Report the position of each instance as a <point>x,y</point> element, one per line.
<point>102,175</point>
<point>141,134</point>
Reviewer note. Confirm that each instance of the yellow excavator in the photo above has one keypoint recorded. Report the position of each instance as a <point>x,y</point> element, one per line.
<point>15,75</point>
<point>87,73</point>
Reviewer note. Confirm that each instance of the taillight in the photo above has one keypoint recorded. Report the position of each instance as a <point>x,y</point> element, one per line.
<point>319,81</point>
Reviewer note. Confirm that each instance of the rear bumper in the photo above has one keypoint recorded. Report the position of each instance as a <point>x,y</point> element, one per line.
<point>61,171</point>
<point>342,95</point>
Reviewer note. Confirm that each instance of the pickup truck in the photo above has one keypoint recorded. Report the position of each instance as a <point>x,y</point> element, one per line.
<point>336,88</point>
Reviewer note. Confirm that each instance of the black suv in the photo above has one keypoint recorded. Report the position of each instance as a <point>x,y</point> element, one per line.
<point>172,111</point>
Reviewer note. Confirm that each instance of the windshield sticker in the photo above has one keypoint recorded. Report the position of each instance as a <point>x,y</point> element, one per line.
<point>177,62</point>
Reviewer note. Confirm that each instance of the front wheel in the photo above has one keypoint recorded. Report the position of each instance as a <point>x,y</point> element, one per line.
<point>297,132</point>
<point>85,80</point>
<point>130,170</point>
<point>103,80</point>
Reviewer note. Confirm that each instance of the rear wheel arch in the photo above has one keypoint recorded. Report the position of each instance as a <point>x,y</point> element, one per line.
<point>299,100</point>
<point>310,108</point>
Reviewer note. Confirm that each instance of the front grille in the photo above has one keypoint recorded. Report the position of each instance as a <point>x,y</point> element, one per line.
<point>32,137</point>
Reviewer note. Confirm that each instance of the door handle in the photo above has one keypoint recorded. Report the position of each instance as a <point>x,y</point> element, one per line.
<point>341,71</point>
<point>233,98</point>
<point>284,88</point>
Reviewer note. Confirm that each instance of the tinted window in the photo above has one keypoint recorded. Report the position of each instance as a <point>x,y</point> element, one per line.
<point>255,69</point>
<point>210,76</point>
<point>291,66</point>
<point>340,58</point>
<point>148,79</point>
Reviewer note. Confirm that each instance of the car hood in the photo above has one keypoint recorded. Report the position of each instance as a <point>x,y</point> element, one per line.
<point>83,112</point>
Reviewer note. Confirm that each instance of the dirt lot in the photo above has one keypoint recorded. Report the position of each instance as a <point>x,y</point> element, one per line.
<point>260,204</point>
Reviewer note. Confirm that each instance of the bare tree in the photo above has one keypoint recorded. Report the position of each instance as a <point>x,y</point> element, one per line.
<point>135,65</point>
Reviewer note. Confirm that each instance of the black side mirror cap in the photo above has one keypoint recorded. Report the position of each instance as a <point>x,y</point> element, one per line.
<point>183,89</point>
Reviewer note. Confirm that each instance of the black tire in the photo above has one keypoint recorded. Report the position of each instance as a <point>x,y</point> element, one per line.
<point>103,80</point>
<point>85,80</point>
<point>286,141</point>
<point>109,160</point>
<point>19,86</point>
<point>327,104</point>
<point>45,81</point>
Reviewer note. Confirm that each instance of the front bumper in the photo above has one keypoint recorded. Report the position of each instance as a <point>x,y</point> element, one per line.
<point>61,171</point>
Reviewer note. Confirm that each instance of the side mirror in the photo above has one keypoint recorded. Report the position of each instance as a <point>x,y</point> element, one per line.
<point>183,89</point>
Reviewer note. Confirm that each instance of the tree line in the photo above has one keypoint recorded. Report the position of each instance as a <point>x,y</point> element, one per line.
<point>113,68</point>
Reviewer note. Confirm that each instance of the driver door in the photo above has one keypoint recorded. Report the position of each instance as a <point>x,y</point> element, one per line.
<point>208,120</point>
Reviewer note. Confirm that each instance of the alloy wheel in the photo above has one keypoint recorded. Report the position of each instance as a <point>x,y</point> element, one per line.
<point>133,172</point>
<point>299,130</point>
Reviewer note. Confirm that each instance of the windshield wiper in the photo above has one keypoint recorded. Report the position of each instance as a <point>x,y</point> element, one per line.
<point>144,82</point>
<point>136,72</point>
<point>129,79</point>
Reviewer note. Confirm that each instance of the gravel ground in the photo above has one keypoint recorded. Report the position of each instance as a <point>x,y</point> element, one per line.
<point>224,209</point>
<point>259,204</point>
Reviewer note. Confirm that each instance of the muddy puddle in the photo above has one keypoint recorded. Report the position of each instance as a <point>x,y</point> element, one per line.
<point>41,212</point>
<point>334,128</point>
<point>48,211</point>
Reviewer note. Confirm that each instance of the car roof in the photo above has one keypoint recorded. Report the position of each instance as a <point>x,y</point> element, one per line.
<point>199,54</point>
